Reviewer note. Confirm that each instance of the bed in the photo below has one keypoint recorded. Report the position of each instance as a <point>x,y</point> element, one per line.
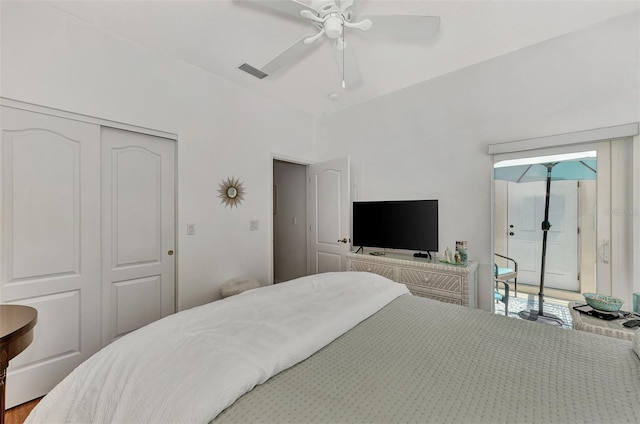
<point>349,347</point>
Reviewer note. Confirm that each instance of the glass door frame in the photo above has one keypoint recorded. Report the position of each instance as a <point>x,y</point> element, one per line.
<point>603,275</point>
<point>624,273</point>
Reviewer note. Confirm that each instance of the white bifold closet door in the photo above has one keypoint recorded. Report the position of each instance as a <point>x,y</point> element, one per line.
<point>50,244</point>
<point>137,231</point>
<point>87,223</point>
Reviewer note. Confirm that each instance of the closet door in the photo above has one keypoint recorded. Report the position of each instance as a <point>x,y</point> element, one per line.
<point>138,231</point>
<point>50,243</point>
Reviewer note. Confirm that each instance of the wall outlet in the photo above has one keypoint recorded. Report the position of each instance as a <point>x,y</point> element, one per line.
<point>191,229</point>
<point>254,225</point>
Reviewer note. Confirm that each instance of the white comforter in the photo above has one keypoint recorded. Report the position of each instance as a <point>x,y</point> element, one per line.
<point>190,366</point>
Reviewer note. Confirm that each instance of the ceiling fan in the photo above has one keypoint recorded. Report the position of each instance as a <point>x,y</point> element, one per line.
<point>332,19</point>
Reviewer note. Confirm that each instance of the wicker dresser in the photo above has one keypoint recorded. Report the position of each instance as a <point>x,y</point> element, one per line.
<point>423,277</point>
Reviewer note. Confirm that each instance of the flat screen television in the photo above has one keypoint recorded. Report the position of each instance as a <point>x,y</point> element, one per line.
<point>399,224</point>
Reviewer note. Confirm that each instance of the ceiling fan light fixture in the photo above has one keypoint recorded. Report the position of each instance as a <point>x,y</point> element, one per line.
<point>333,27</point>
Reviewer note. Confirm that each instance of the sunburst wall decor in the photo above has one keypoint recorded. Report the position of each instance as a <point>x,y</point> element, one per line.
<point>231,192</point>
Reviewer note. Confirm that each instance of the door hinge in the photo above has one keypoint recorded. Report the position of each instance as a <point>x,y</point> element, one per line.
<point>578,230</point>
<point>578,276</point>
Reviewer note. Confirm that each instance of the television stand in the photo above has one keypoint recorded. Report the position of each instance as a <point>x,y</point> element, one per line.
<point>423,277</point>
<point>422,255</point>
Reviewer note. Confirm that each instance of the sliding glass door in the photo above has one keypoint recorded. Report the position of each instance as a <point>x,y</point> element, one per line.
<point>577,248</point>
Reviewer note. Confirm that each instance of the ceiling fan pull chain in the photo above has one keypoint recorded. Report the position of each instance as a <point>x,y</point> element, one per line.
<point>344,46</point>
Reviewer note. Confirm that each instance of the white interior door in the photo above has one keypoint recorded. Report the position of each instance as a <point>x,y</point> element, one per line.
<point>329,207</point>
<point>525,215</point>
<point>138,231</point>
<point>50,244</point>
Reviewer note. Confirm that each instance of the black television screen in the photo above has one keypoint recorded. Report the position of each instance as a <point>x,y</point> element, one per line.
<point>400,224</point>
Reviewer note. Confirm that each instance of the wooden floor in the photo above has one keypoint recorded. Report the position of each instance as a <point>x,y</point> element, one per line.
<point>18,414</point>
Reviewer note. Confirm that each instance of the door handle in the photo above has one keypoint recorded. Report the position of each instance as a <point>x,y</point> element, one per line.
<point>344,240</point>
<point>170,252</point>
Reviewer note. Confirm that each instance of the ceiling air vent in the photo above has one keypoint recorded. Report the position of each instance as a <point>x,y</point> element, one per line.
<point>253,71</point>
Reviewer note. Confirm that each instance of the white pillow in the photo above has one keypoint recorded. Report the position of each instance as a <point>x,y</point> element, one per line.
<point>636,343</point>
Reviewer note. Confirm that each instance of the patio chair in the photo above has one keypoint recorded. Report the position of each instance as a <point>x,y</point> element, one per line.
<point>502,277</point>
<point>504,298</point>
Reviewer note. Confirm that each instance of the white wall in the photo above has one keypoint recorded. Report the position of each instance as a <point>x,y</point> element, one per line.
<point>430,140</point>
<point>52,59</point>
<point>422,142</point>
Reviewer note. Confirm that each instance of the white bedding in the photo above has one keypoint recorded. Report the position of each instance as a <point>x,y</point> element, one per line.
<point>190,366</point>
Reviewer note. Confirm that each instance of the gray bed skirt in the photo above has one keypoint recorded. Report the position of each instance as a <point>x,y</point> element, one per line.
<point>422,361</point>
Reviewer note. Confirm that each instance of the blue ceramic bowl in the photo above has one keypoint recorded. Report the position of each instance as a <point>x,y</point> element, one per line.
<point>603,302</point>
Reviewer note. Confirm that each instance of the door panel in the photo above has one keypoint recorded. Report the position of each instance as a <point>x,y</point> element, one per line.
<point>329,211</point>
<point>48,342</point>
<point>138,224</point>
<point>328,262</point>
<point>50,243</point>
<point>40,248</point>
<point>136,171</point>
<point>525,215</point>
<point>136,303</point>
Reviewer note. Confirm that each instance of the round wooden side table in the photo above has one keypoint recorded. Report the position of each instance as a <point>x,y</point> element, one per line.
<point>16,333</point>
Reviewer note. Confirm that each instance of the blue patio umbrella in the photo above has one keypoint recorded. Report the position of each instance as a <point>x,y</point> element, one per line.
<point>573,166</point>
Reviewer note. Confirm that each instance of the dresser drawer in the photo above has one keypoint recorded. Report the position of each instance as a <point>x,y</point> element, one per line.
<point>430,294</point>
<point>446,283</point>
<point>384,270</point>
<point>424,278</point>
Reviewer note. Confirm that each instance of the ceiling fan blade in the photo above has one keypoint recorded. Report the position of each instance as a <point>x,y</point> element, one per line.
<point>307,14</point>
<point>344,5</point>
<point>363,25</point>
<point>315,37</point>
<point>347,65</point>
<point>405,26</point>
<point>287,56</point>
<point>290,7</point>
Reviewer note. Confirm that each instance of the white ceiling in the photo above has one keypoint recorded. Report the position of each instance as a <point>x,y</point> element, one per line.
<point>219,35</point>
